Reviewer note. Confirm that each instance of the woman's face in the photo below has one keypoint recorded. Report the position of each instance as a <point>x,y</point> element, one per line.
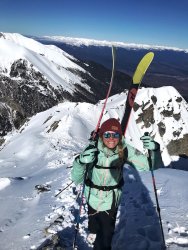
<point>111,139</point>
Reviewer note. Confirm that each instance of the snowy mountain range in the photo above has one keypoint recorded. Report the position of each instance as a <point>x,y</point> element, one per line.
<point>48,108</point>
<point>91,42</point>
<point>169,66</point>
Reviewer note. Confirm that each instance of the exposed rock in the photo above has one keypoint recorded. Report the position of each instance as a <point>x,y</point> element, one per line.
<point>179,99</point>
<point>154,99</point>
<point>167,113</point>
<point>177,132</point>
<point>177,116</point>
<point>162,128</point>
<point>178,147</point>
<point>53,126</point>
<point>43,188</point>
<point>2,35</point>
<point>5,122</point>
<point>136,106</point>
<point>2,140</point>
<point>48,119</point>
<point>147,116</point>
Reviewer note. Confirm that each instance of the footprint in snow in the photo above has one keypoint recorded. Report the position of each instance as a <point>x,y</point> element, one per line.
<point>182,240</point>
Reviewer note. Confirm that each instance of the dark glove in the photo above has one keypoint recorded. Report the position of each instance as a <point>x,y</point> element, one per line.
<point>94,136</point>
<point>89,154</point>
<point>149,143</point>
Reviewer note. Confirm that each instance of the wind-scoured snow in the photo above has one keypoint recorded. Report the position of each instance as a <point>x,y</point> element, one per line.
<point>35,167</point>
<point>51,61</point>
<point>4,182</point>
<point>91,42</point>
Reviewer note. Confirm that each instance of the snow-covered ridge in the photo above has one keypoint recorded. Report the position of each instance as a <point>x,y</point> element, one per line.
<point>92,42</point>
<point>52,52</point>
<point>43,150</point>
<point>51,61</point>
<point>75,121</point>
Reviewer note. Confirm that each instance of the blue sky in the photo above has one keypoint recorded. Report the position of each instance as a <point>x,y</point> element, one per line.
<point>157,22</point>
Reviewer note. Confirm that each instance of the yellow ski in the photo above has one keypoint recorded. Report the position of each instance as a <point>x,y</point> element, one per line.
<point>136,81</point>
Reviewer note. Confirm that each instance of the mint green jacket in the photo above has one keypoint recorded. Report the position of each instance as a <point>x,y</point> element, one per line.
<point>102,200</point>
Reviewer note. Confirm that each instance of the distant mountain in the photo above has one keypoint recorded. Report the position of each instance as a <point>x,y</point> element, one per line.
<point>169,68</point>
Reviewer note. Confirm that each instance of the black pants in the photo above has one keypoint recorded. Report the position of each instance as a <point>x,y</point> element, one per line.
<point>102,224</point>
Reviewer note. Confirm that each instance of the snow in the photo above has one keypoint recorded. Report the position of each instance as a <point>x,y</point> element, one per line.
<point>91,42</point>
<point>4,182</point>
<point>35,167</point>
<point>51,61</point>
<point>52,52</point>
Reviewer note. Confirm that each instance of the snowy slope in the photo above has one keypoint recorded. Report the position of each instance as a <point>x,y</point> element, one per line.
<point>51,61</point>
<point>38,158</point>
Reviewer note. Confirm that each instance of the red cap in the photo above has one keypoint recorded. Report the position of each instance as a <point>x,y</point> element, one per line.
<point>111,124</point>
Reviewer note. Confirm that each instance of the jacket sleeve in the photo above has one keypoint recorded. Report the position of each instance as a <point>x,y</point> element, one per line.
<point>78,170</point>
<point>140,161</point>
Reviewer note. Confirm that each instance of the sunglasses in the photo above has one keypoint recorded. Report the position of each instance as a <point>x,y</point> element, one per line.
<point>107,135</point>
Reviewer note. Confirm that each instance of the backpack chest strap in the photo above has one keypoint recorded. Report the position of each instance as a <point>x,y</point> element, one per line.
<point>90,184</point>
<point>101,167</point>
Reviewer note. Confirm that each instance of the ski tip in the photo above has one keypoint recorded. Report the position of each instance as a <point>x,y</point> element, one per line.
<point>113,48</point>
<point>150,56</point>
<point>142,67</point>
<point>147,58</point>
<point>113,52</point>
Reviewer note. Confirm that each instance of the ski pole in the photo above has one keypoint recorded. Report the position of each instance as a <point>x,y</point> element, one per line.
<point>80,208</point>
<point>155,191</point>
<point>109,90</point>
<point>63,189</point>
<point>94,143</point>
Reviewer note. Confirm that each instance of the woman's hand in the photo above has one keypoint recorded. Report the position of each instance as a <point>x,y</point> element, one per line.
<point>149,143</point>
<point>89,154</point>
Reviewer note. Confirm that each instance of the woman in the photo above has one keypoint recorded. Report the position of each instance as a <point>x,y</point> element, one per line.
<point>104,162</point>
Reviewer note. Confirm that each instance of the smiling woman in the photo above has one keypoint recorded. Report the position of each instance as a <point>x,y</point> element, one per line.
<point>100,165</point>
